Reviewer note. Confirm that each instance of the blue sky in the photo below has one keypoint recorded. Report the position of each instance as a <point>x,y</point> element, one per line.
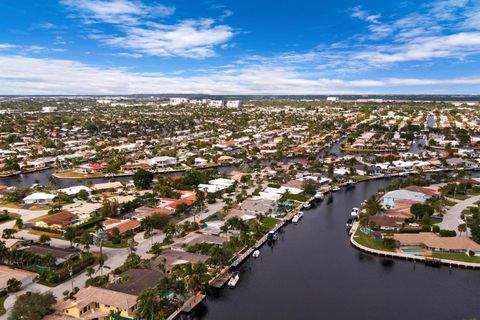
<point>239,47</point>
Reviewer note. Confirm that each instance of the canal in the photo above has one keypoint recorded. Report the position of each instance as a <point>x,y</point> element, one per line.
<point>313,272</point>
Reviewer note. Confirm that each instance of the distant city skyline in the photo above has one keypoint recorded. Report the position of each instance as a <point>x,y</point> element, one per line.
<point>246,47</point>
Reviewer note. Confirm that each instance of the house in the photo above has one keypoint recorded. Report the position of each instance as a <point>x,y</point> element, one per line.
<point>60,254</point>
<point>386,222</point>
<point>439,244</point>
<point>234,103</point>
<point>73,191</point>
<point>135,281</point>
<point>200,162</point>
<point>196,238</point>
<point>107,186</point>
<point>123,226</point>
<point>162,161</point>
<point>143,212</point>
<point>40,198</point>
<point>169,259</point>
<point>6,273</point>
<point>57,221</point>
<point>259,207</point>
<point>389,198</point>
<point>97,303</point>
<point>91,168</point>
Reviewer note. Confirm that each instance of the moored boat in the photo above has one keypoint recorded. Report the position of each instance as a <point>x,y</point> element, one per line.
<point>319,196</point>
<point>234,280</point>
<point>256,253</point>
<point>354,213</point>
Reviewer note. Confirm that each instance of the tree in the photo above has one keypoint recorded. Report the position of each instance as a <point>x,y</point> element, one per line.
<point>32,306</point>
<point>462,228</point>
<point>13,285</point>
<point>142,179</point>
<point>149,306</point>
<point>86,239</point>
<point>8,233</point>
<point>419,209</point>
<point>82,195</point>
<point>70,233</point>
<point>44,239</point>
<point>19,223</point>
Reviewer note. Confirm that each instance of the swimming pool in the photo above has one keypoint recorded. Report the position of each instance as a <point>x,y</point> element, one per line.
<point>366,230</point>
<point>412,250</point>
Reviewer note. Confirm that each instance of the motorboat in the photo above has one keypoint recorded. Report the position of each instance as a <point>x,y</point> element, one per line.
<point>350,183</point>
<point>300,214</point>
<point>256,253</point>
<point>354,213</point>
<point>307,205</point>
<point>349,223</point>
<point>272,236</point>
<point>295,219</point>
<point>234,280</point>
<point>319,196</point>
<point>336,189</point>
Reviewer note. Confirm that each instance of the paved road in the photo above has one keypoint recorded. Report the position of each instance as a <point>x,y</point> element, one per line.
<point>452,218</point>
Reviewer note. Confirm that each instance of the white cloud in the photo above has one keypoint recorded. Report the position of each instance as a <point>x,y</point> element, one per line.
<point>190,38</point>
<point>70,77</point>
<point>359,13</point>
<point>116,11</point>
<point>7,46</point>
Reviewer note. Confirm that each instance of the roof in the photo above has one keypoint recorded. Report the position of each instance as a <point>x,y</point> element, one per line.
<point>107,185</point>
<point>406,195</point>
<point>58,253</point>
<point>388,222</point>
<point>63,218</point>
<point>147,211</point>
<point>7,273</point>
<point>123,226</point>
<point>89,295</point>
<point>431,240</point>
<point>176,257</point>
<point>39,196</point>
<point>428,191</point>
<point>136,281</point>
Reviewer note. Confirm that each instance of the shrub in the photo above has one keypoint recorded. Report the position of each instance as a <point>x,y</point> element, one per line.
<point>407,230</point>
<point>447,233</point>
<point>426,229</point>
<point>436,229</point>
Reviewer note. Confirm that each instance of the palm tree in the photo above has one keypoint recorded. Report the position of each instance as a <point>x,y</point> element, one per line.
<point>462,228</point>
<point>149,307</point>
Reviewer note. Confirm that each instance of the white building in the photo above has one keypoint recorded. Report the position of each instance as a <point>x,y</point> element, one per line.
<point>39,198</point>
<point>163,161</point>
<point>178,101</point>
<point>333,99</point>
<point>215,103</point>
<point>234,103</point>
<point>49,109</point>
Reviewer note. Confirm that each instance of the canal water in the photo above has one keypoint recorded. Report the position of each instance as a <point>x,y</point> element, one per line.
<point>313,272</point>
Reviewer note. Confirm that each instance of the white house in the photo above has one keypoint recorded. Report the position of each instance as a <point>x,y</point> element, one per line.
<point>215,103</point>
<point>72,191</point>
<point>234,103</point>
<point>178,101</point>
<point>39,198</point>
<point>333,99</point>
<point>163,161</point>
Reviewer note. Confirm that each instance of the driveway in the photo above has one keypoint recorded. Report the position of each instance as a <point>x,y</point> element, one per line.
<point>452,218</point>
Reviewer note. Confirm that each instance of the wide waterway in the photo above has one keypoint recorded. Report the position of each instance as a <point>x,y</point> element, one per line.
<point>313,272</point>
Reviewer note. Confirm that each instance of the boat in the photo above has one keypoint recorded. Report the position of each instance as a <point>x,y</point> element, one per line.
<point>350,183</point>
<point>336,189</point>
<point>295,219</point>
<point>272,236</point>
<point>319,196</point>
<point>354,213</point>
<point>256,253</point>
<point>349,223</point>
<point>307,205</point>
<point>233,280</point>
<point>300,214</point>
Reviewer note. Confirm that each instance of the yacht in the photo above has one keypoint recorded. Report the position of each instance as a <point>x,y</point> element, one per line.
<point>300,214</point>
<point>319,196</point>
<point>354,213</point>
<point>350,183</point>
<point>256,253</point>
<point>336,189</point>
<point>233,280</point>
<point>307,205</point>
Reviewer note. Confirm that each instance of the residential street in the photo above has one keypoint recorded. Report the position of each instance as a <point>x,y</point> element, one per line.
<point>453,217</point>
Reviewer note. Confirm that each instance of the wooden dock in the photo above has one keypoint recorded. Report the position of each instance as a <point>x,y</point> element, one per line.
<point>188,306</point>
<point>220,280</point>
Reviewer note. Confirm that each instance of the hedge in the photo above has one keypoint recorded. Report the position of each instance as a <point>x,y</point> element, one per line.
<point>448,233</point>
<point>90,223</point>
<point>407,230</point>
<point>47,230</point>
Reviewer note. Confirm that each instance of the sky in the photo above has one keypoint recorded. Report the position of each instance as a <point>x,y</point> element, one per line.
<point>294,47</point>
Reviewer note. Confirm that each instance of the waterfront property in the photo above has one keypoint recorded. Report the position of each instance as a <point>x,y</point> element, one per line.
<point>435,243</point>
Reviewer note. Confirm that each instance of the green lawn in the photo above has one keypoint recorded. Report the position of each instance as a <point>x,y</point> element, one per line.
<point>110,244</point>
<point>2,308</point>
<point>369,242</point>
<point>456,257</point>
<point>269,223</point>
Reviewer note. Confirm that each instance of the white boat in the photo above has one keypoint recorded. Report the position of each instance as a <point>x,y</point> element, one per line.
<point>272,236</point>
<point>336,189</point>
<point>306,205</point>
<point>300,214</point>
<point>256,253</point>
<point>295,219</point>
<point>233,280</point>
<point>319,196</point>
<point>354,213</point>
